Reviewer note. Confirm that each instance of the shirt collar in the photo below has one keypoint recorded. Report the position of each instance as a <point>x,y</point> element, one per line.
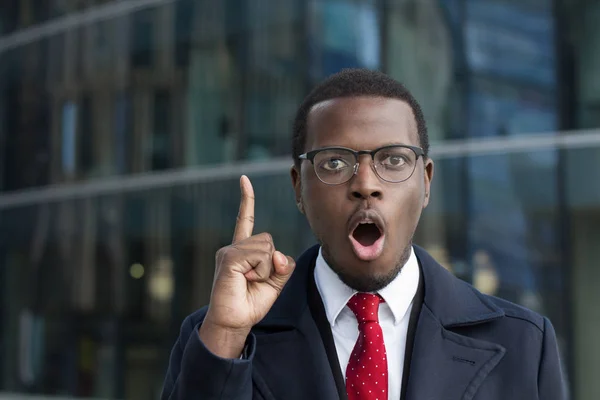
<point>398,295</point>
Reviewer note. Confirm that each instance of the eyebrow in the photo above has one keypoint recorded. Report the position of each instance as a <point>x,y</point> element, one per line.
<point>378,147</point>
<point>395,144</point>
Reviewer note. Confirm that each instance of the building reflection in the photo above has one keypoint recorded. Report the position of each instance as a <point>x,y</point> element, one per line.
<point>144,112</point>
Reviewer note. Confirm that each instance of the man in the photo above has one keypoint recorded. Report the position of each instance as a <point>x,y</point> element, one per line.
<point>364,315</point>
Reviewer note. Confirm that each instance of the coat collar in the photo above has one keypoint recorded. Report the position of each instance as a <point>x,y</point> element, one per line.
<point>452,301</point>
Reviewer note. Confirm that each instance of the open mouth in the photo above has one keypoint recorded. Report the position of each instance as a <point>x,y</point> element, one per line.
<point>367,235</point>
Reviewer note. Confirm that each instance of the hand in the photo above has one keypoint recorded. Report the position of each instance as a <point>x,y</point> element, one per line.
<point>250,274</point>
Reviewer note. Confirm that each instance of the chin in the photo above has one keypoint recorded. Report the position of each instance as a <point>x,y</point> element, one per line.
<point>364,275</point>
<point>367,283</point>
<point>369,276</point>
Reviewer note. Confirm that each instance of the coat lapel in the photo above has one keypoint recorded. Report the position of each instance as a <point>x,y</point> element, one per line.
<point>445,364</point>
<point>292,364</point>
<point>291,361</point>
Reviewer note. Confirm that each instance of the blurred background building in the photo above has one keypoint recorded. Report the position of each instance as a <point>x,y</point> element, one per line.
<point>124,126</point>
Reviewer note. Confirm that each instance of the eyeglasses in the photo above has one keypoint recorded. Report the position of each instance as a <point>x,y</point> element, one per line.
<point>337,165</point>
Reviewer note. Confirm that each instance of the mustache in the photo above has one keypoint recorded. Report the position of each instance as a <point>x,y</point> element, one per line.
<point>371,214</point>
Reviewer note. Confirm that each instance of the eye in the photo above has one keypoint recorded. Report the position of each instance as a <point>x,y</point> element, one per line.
<point>334,164</point>
<point>394,160</point>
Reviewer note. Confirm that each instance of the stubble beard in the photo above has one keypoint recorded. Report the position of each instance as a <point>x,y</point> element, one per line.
<point>367,283</point>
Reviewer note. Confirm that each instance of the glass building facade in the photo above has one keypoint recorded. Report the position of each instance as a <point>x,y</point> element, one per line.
<point>124,126</point>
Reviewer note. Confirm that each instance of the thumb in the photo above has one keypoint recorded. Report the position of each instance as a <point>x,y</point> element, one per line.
<point>284,266</point>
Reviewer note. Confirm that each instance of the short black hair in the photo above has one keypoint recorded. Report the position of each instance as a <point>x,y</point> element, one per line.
<point>352,83</point>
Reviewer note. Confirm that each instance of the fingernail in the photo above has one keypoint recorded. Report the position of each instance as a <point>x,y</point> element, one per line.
<point>282,259</point>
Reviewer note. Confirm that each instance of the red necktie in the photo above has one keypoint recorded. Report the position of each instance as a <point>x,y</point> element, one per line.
<point>366,374</point>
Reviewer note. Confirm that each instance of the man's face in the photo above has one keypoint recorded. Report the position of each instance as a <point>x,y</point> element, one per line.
<point>370,256</point>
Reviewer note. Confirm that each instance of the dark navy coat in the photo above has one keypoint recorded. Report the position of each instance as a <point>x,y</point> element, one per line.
<point>467,346</point>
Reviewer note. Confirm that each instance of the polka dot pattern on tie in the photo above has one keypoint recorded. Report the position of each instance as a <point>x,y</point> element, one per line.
<point>366,373</point>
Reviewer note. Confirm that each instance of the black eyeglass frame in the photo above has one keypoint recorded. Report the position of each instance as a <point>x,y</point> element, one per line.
<point>310,156</point>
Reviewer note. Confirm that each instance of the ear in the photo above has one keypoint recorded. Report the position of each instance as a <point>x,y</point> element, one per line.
<point>297,184</point>
<point>427,178</point>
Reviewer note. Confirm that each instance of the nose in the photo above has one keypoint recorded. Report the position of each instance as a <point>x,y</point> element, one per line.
<point>365,183</point>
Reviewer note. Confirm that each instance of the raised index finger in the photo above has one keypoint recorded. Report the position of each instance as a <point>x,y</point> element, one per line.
<point>245,218</point>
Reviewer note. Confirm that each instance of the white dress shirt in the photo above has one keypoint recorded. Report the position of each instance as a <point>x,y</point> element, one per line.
<point>394,315</point>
